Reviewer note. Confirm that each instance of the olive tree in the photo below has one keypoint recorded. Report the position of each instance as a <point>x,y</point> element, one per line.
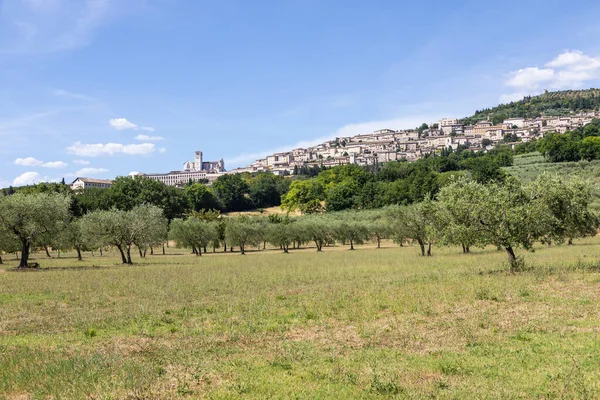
<point>281,234</point>
<point>241,231</point>
<point>414,223</point>
<point>317,229</point>
<point>143,223</point>
<point>348,228</point>
<point>25,217</point>
<point>8,243</point>
<point>568,200</point>
<point>194,233</point>
<point>458,220</point>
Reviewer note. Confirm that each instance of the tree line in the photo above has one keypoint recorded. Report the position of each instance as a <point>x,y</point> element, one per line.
<point>466,213</point>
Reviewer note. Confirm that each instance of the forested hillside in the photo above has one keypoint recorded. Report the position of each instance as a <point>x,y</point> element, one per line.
<point>550,103</point>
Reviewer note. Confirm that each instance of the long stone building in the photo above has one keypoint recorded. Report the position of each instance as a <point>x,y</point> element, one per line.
<point>197,170</point>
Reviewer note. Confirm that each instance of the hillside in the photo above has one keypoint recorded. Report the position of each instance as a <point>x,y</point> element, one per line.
<point>529,166</point>
<point>550,103</point>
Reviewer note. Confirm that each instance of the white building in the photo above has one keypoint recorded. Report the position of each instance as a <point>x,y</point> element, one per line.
<point>197,170</point>
<point>86,183</point>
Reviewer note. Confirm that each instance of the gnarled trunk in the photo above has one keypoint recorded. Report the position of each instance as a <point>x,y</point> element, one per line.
<point>319,244</point>
<point>47,252</point>
<point>429,249</point>
<point>123,258</point>
<point>129,255</point>
<point>25,245</point>
<point>242,248</point>
<point>351,244</point>
<point>79,258</point>
<point>512,258</point>
<point>422,246</point>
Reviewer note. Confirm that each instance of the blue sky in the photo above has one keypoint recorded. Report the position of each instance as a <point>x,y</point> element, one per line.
<point>101,88</point>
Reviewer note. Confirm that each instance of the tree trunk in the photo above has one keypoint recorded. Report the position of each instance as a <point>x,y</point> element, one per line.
<point>429,249</point>
<point>47,252</point>
<point>286,248</point>
<point>129,255</point>
<point>468,249</point>
<point>79,258</point>
<point>123,259</point>
<point>378,242</point>
<point>512,259</point>
<point>319,245</point>
<point>351,244</point>
<point>241,248</point>
<point>464,248</point>
<point>1,262</point>
<point>570,242</point>
<point>151,250</point>
<point>101,252</point>
<point>205,249</point>
<point>199,252</point>
<point>24,254</point>
<point>265,245</point>
<point>422,246</point>
<point>141,254</point>
<point>163,246</point>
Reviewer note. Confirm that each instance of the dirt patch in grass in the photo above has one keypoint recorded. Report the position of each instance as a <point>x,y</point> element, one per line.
<point>326,335</point>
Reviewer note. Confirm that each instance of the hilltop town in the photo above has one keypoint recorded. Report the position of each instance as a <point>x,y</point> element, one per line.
<point>389,145</point>
<point>381,146</point>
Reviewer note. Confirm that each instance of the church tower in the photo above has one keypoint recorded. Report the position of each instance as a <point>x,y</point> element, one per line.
<point>198,160</point>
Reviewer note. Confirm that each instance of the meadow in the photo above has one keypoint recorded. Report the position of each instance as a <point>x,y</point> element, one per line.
<point>371,323</point>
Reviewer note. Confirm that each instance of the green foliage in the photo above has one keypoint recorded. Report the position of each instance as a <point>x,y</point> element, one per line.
<point>549,103</point>
<point>232,191</point>
<point>27,217</point>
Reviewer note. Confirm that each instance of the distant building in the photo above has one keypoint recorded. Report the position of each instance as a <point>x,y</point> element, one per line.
<point>199,165</point>
<point>86,183</point>
<point>197,170</point>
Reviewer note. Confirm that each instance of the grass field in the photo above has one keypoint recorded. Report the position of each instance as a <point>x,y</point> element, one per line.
<point>338,324</point>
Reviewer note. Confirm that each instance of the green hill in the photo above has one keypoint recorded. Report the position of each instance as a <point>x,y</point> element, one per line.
<point>550,103</point>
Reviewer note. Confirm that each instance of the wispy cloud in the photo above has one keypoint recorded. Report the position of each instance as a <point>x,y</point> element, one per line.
<point>54,164</point>
<point>90,171</point>
<point>147,138</point>
<point>122,124</point>
<point>569,70</point>
<point>46,26</point>
<point>109,149</point>
<point>72,95</point>
<point>33,162</point>
<point>28,162</point>
<point>81,162</point>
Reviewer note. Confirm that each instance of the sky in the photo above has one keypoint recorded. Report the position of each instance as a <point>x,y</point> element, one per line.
<point>102,88</point>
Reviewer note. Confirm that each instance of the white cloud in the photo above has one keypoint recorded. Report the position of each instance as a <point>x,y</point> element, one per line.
<point>109,149</point>
<point>46,26</point>
<point>54,164</point>
<point>122,124</point>
<point>530,78</point>
<point>27,178</point>
<point>346,130</point>
<point>33,162</point>
<point>569,70</point>
<point>162,150</point>
<point>28,162</point>
<point>147,138</point>
<point>81,162</point>
<point>90,171</point>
